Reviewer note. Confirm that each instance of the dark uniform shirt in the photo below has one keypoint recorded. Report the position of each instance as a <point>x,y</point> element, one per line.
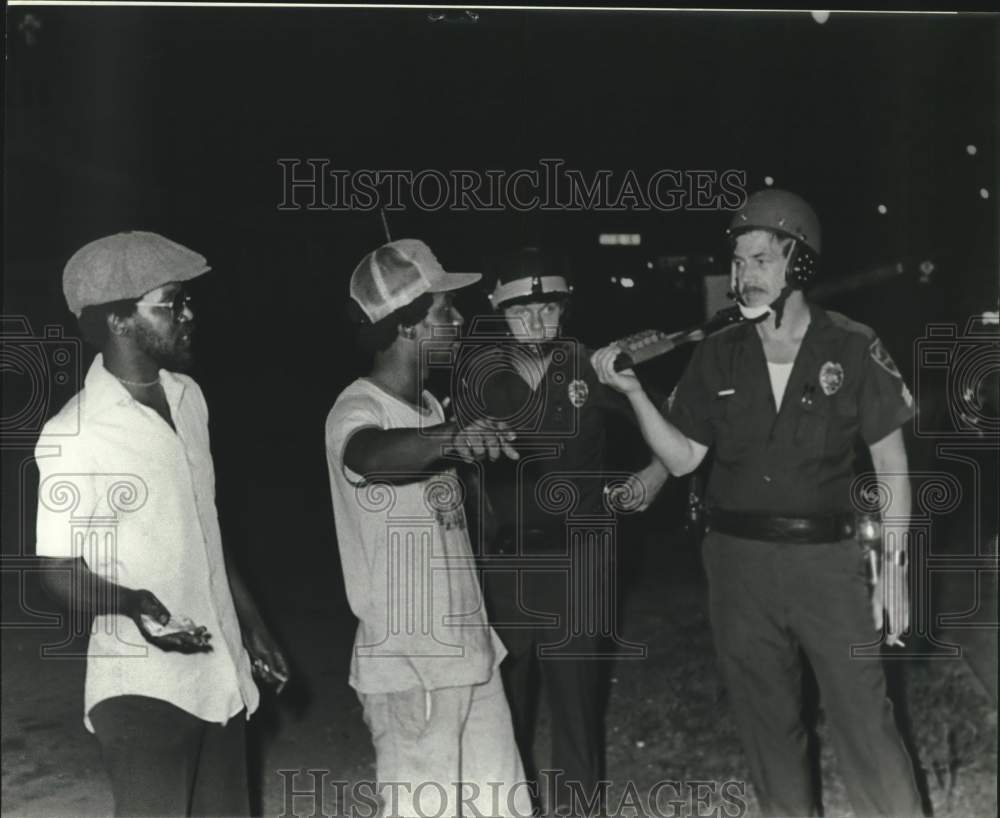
<point>561,440</point>
<point>799,460</point>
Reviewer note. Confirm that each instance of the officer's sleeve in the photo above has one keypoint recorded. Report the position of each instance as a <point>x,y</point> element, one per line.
<point>886,403</point>
<point>690,403</point>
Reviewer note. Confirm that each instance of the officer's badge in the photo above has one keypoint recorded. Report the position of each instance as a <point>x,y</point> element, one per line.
<point>578,392</point>
<point>831,377</point>
<point>882,357</point>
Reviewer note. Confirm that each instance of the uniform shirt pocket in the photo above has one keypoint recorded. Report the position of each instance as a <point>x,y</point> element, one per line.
<point>810,431</point>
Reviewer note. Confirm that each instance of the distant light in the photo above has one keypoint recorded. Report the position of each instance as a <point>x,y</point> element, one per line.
<point>614,279</point>
<point>883,209</point>
<point>820,16</point>
<point>984,193</point>
<point>627,283</point>
<point>972,150</point>
<point>926,271</point>
<point>768,180</point>
<point>620,239</point>
<point>649,265</point>
<point>681,268</point>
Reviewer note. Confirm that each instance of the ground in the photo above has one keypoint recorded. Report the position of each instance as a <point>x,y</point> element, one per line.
<point>667,715</point>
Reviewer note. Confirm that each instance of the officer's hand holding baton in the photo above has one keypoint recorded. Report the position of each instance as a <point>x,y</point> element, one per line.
<point>603,362</point>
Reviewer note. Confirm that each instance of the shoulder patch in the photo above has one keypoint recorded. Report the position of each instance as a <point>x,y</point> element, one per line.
<point>882,357</point>
<point>841,321</point>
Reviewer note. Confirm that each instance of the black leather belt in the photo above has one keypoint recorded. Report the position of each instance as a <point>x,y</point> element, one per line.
<point>816,528</point>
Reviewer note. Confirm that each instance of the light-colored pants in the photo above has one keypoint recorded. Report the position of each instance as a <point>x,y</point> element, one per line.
<point>446,752</point>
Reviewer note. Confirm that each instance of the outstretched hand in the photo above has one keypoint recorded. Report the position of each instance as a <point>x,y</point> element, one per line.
<point>484,438</point>
<point>159,628</point>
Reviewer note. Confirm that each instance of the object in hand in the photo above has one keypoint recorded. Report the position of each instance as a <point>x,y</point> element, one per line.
<point>174,626</point>
<point>269,675</point>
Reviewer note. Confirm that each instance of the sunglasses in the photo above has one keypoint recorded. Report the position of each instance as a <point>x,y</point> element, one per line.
<point>181,301</point>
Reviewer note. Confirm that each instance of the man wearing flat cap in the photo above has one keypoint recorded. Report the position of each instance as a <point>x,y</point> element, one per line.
<point>175,637</point>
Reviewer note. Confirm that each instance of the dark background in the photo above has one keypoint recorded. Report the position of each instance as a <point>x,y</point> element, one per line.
<point>173,120</point>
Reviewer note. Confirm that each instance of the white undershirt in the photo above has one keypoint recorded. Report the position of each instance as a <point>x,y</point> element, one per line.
<point>779,380</point>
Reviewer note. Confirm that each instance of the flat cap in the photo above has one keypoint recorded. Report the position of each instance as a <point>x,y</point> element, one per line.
<point>126,265</point>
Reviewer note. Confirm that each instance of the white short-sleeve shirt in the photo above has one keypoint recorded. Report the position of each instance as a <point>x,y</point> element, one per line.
<point>136,501</point>
<point>407,560</point>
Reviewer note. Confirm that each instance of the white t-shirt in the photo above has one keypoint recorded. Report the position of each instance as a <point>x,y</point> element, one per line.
<point>136,501</point>
<point>780,374</point>
<point>407,560</point>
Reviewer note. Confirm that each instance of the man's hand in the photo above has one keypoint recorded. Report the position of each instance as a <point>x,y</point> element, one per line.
<point>268,660</point>
<point>603,362</point>
<point>484,438</point>
<point>891,598</point>
<point>158,627</point>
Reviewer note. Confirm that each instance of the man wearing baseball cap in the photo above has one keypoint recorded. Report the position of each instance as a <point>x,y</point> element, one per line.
<point>128,526</point>
<point>425,661</point>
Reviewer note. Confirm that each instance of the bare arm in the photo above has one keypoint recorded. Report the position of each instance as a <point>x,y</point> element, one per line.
<point>891,592</point>
<point>77,589</point>
<point>266,655</point>
<point>892,467</point>
<point>679,454</point>
<point>408,451</point>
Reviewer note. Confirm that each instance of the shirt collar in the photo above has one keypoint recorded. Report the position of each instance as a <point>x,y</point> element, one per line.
<point>104,389</point>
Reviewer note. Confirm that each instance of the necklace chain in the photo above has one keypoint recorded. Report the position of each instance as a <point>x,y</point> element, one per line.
<point>139,383</point>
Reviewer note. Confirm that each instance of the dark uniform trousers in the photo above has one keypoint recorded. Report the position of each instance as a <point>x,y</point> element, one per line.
<point>560,654</point>
<point>163,761</point>
<point>766,601</point>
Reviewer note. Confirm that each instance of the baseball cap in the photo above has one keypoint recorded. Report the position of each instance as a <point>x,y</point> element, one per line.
<point>528,274</point>
<point>126,265</point>
<point>397,274</point>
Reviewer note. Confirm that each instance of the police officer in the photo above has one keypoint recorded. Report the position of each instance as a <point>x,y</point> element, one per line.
<point>782,402</point>
<point>546,506</point>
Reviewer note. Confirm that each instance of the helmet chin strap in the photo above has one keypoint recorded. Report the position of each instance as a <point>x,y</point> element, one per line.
<point>777,306</point>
